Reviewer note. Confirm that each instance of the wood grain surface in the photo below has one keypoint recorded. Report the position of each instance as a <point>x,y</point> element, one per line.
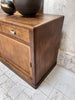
<point>16,53</point>
<point>20,32</point>
<point>32,51</point>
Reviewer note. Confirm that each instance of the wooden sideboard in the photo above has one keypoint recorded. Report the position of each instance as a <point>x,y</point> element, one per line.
<point>29,46</point>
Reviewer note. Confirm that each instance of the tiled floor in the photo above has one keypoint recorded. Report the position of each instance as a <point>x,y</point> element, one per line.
<point>59,85</point>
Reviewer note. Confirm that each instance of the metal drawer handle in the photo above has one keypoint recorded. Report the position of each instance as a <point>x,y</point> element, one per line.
<point>13,32</point>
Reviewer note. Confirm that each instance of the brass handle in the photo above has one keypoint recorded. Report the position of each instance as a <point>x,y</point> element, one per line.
<point>13,32</point>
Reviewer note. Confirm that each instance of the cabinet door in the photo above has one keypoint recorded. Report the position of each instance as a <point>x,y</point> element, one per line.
<point>16,53</point>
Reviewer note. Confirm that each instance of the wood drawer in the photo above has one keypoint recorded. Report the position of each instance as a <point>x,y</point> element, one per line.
<point>15,31</point>
<point>16,53</point>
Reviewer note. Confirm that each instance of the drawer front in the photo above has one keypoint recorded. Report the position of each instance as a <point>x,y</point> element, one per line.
<point>16,31</point>
<point>16,53</point>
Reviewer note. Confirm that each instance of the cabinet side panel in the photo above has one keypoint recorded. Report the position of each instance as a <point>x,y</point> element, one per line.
<point>47,39</point>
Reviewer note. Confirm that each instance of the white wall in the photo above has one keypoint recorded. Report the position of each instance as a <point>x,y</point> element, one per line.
<point>67,48</point>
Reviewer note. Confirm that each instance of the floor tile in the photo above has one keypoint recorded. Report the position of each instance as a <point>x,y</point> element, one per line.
<point>46,88</point>
<point>8,85</point>
<point>56,95</point>
<point>2,92</point>
<point>1,72</point>
<point>3,78</point>
<point>23,83</point>
<point>15,91</point>
<point>30,91</point>
<point>9,73</point>
<point>23,96</point>
<point>8,98</point>
<point>51,79</point>
<point>67,84</point>
<point>20,81</point>
<point>58,85</point>
<point>39,96</point>
<point>3,95</point>
<point>16,78</point>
